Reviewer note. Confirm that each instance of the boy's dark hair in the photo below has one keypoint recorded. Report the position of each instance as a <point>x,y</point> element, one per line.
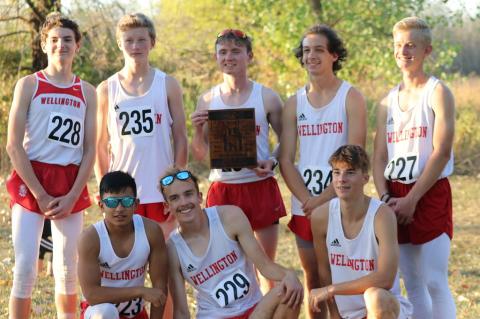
<point>234,35</point>
<point>56,19</point>
<point>115,182</point>
<point>334,46</point>
<point>353,155</point>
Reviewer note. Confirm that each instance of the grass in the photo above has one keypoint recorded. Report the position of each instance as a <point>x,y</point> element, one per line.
<point>464,273</point>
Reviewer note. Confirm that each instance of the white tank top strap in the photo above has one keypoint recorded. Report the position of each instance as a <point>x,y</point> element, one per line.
<point>430,88</point>
<point>341,96</point>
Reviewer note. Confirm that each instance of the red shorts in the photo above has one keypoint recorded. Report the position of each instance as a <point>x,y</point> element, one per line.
<point>300,226</point>
<point>84,305</point>
<point>260,201</point>
<point>153,211</point>
<point>57,180</point>
<point>246,314</point>
<point>432,216</point>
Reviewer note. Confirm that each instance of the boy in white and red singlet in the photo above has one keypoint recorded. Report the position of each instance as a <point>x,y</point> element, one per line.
<point>413,158</point>
<point>356,246</point>
<point>142,122</point>
<point>215,251</point>
<point>241,186</point>
<point>115,254</point>
<point>325,114</point>
<point>51,133</point>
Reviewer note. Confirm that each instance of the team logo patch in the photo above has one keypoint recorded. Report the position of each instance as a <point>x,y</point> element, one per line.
<point>335,243</point>
<point>302,117</point>
<point>22,190</point>
<point>105,265</point>
<point>191,268</point>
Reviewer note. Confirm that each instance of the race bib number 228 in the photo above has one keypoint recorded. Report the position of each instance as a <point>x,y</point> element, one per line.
<point>65,130</point>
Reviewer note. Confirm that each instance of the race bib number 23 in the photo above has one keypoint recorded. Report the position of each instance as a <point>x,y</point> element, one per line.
<point>130,308</point>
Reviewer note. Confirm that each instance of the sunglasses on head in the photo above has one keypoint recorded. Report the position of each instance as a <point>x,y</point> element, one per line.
<point>112,202</point>
<point>235,32</point>
<point>181,176</point>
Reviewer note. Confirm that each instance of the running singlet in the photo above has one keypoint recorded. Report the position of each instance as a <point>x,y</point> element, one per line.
<point>351,259</point>
<point>223,278</point>
<point>124,272</point>
<point>321,131</point>
<point>55,122</point>
<point>255,100</point>
<point>410,137</point>
<point>140,135</point>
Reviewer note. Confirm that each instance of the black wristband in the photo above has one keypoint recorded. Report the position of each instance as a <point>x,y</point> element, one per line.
<point>385,197</point>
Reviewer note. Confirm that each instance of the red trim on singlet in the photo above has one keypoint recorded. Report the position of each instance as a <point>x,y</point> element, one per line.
<point>46,87</point>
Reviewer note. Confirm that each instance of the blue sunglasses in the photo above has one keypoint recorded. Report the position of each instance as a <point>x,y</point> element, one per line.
<point>181,176</point>
<point>112,202</point>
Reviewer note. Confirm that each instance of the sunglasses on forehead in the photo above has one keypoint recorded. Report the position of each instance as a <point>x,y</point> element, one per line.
<point>112,202</point>
<point>181,176</point>
<point>235,32</point>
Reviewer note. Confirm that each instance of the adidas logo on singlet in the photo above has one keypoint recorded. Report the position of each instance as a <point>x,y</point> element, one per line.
<point>390,121</point>
<point>116,107</point>
<point>302,117</point>
<point>191,268</point>
<point>105,265</point>
<point>335,243</point>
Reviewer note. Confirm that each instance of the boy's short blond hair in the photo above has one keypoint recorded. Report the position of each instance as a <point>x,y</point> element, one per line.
<point>136,20</point>
<point>417,24</point>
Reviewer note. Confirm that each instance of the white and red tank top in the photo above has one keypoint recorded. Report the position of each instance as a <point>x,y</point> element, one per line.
<point>255,101</point>
<point>55,122</point>
<point>124,272</point>
<point>410,136</point>
<point>223,278</point>
<point>321,131</point>
<point>140,135</point>
<point>351,259</point>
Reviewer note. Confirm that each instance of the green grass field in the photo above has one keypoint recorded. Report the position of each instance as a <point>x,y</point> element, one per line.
<point>464,260</point>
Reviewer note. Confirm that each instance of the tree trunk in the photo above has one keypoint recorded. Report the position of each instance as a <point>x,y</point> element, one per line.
<point>40,10</point>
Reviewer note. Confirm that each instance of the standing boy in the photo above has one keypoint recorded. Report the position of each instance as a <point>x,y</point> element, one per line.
<point>141,122</point>
<point>242,186</point>
<point>412,160</point>
<point>323,115</point>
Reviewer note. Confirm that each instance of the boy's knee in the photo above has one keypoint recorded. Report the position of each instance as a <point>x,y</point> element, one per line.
<point>102,311</point>
<point>381,303</point>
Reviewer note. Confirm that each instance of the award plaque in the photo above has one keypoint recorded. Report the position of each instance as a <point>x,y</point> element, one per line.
<point>232,138</point>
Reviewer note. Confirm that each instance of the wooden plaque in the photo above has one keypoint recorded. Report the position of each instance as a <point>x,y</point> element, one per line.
<point>232,138</point>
